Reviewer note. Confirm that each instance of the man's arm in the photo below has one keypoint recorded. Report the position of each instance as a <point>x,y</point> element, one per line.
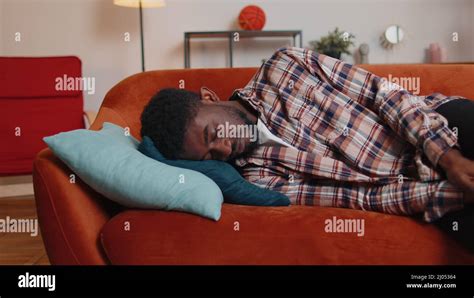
<point>432,199</point>
<point>405,113</point>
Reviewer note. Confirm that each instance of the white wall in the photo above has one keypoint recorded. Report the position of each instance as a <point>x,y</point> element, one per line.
<point>93,30</point>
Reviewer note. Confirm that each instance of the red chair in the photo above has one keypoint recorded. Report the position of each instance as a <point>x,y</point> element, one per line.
<point>32,107</point>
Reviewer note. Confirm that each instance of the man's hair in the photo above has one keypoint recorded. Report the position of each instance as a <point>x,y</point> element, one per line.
<point>166,117</point>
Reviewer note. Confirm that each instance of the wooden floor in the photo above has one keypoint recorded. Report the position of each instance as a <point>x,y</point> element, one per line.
<point>20,248</point>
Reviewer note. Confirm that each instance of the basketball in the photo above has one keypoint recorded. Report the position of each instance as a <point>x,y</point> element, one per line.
<point>252,17</point>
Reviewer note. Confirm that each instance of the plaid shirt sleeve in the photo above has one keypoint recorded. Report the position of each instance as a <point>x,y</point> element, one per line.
<point>408,115</point>
<point>431,199</point>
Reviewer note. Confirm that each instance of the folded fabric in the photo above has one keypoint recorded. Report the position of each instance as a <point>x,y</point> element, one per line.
<point>109,162</point>
<point>235,188</point>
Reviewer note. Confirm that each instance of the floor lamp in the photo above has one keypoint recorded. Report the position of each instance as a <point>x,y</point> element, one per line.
<point>141,4</point>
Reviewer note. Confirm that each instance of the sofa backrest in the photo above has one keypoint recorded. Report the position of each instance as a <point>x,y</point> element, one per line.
<point>124,103</point>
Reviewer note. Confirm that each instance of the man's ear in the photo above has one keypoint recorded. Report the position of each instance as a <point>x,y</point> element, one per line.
<point>207,95</point>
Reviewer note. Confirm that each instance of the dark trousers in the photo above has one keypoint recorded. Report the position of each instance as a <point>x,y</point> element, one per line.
<point>460,115</point>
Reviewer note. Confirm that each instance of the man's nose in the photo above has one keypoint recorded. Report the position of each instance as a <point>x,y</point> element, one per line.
<point>222,149</point>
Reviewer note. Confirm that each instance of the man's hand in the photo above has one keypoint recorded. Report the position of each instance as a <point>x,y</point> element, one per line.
<point>459,170</point>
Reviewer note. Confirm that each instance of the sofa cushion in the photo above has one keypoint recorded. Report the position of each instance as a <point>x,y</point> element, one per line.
<point>109,162</point>
<point>276,235</point>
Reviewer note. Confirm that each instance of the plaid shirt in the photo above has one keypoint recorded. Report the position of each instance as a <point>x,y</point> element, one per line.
<point>358,144</point>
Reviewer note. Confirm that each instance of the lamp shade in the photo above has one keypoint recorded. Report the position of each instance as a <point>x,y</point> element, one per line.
<point>136,3</point>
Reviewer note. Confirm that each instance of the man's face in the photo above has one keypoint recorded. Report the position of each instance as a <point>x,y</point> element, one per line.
<point>206,137</point>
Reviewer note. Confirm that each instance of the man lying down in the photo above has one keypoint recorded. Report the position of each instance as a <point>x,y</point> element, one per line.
<point>328,134</point>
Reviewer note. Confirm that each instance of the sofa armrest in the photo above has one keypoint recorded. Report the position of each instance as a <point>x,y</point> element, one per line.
<point>70,213</point>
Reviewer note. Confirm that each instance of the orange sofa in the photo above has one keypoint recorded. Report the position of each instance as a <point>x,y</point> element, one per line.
<point>79,226</point>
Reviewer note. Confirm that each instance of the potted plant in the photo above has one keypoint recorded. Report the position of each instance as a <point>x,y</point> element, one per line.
<point>333,44</point>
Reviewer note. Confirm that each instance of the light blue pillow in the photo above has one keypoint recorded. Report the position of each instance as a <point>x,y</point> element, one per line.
<point>109,162</point>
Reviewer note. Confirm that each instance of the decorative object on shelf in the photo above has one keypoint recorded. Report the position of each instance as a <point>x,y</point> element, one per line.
<point>364,53</point>
<point>334,44</point>
<point>392,36</point>
<point>444,54</point>
<point>436,53</point>
<point>141,4</point>
<point>252,17</point>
